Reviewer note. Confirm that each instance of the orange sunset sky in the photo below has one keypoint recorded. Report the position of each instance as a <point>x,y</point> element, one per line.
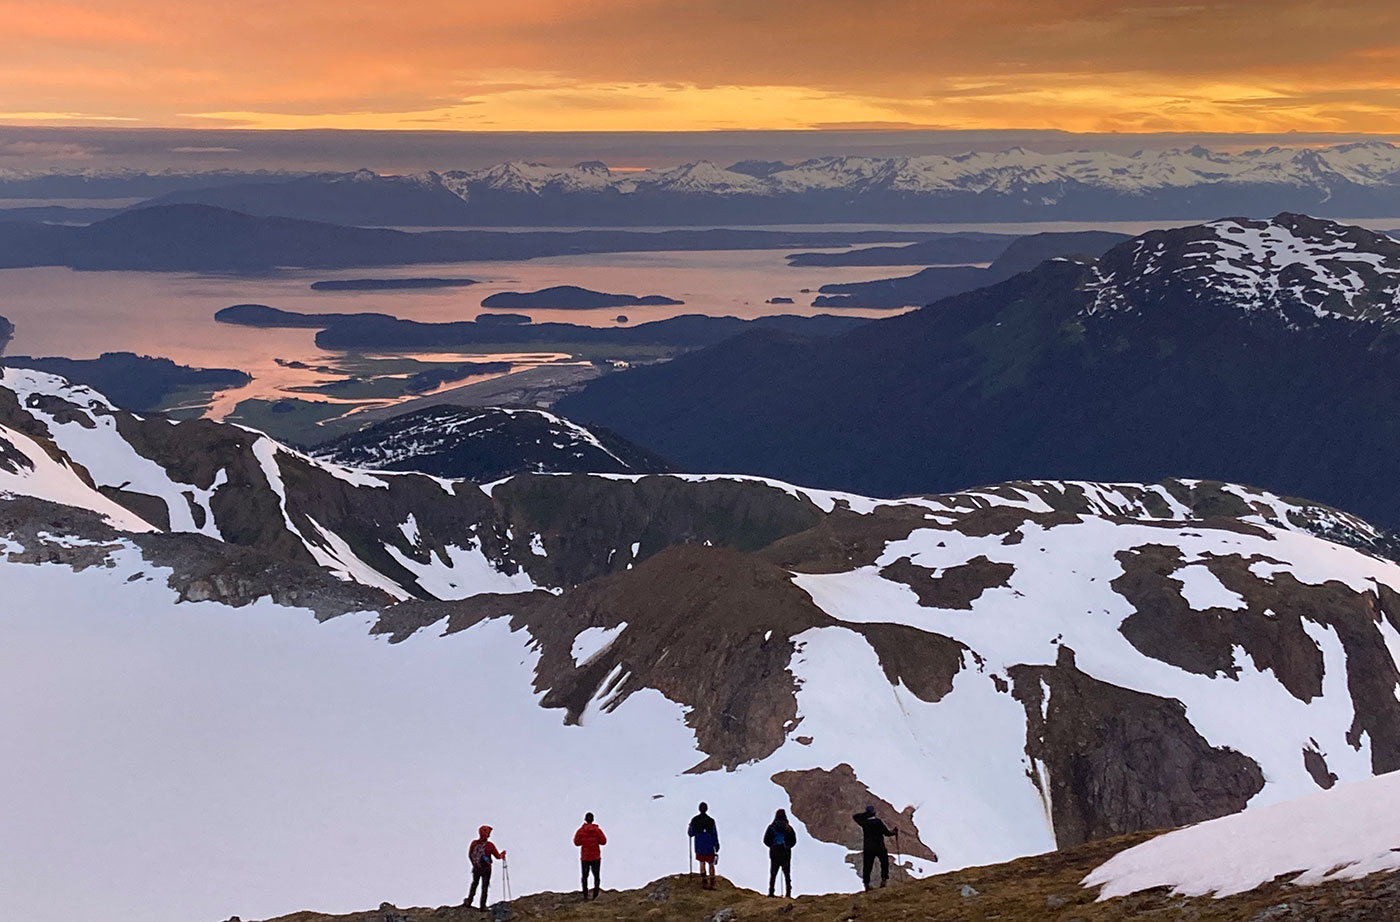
<point>628,65</point>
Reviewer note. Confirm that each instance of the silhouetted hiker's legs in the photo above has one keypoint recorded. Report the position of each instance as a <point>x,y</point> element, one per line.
<point>868,862</point>
<point>593,866</point>
<point>785,864</point>
<point>482,877</point>
<point>884,868</point>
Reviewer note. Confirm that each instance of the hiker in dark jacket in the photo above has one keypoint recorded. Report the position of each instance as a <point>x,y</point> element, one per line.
<point>480,853</point>
<point>873,845</point>
<point>780,837</point>
<point>589,840</point>
<point>704,835</point>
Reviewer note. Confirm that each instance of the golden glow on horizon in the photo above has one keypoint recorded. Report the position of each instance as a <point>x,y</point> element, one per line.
<point>629,65</point>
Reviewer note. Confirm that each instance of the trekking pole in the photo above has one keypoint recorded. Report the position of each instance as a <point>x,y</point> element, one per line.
<point>897,849</point>
<point>505,877</point>
<point>690,854</point>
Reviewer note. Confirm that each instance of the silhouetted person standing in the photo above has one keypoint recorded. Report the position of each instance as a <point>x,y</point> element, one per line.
<point>480,853</point>
<point>874,833</point>
<point>704,834</point>
<point>780,837</point>
<point>590,840</point>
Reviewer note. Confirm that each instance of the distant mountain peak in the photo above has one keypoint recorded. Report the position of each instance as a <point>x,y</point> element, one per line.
<point>1294,265</point>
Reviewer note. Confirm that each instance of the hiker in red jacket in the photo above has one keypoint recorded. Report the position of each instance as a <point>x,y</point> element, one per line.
<point>480,853</point>
<point>589,838</point>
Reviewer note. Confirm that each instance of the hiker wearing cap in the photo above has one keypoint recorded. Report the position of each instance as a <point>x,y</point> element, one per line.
<point>780,837</point>
<point>590,840</point>
<point>873,845</point>
<point>480,853</point>
<point>705,836</point>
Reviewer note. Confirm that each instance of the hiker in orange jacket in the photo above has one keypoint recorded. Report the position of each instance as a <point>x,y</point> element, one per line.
<point>590,840</point>
<point>480,853</point>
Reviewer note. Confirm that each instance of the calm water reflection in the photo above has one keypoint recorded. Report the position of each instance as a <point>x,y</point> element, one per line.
<point>82,314</point>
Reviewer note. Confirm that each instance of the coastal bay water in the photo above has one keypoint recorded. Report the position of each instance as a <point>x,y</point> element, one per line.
<point>77,314</point>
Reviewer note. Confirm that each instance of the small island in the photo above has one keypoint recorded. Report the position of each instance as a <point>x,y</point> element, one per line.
<point>778,300</point>
<point>503,319</point>
<point>260,315</point>
<point>389,284</point>
<point>7,332</point>
<point>571,297</point>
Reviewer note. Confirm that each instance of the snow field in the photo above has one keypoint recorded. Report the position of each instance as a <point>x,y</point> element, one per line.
<point>1343,834</point>
<point>1062,595</point>
<point>303,765</point>
<point>960,762</point>
<point>57,483</point>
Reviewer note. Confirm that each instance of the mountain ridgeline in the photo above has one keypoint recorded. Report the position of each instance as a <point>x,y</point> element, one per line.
<point>1011,185</point>
<point>1091,633</point>
<point>1265,352</point>
<point>937,282</point>
<point>484,444</point>
<point>200,237</point>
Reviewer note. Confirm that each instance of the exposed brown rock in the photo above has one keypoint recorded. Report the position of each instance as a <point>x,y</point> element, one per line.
<point>589,524</point>
<point>844,540</point>
<point>1316,764</point>
<point>955,587</point>
<point>150,508</point>
<point>825,800</point>
<point>698,630</point>
<point>925,662</point>
<point>1165,627</point>
<point>1121,761</point>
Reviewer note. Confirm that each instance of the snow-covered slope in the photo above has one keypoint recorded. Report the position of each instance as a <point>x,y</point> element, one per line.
<point>1342,834</point>
<point>1004,670</point>
<point>1285,265</point>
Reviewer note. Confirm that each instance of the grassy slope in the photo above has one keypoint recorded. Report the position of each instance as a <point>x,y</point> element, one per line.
<point>1044,888</point>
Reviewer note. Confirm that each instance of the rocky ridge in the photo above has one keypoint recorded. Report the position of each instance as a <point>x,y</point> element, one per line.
<point>485,444</point>
<point>1261,352</point>
<point>1037,664</point>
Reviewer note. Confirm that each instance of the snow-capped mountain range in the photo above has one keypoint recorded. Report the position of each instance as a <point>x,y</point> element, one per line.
<point>1370,164</point>
<point>1357,180</point>
<point>1003,670</point>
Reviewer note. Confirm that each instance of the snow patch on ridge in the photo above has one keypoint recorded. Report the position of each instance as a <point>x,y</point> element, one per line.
<point>594,640</point>
<point>49,480</point>
<point>1343,834</point>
